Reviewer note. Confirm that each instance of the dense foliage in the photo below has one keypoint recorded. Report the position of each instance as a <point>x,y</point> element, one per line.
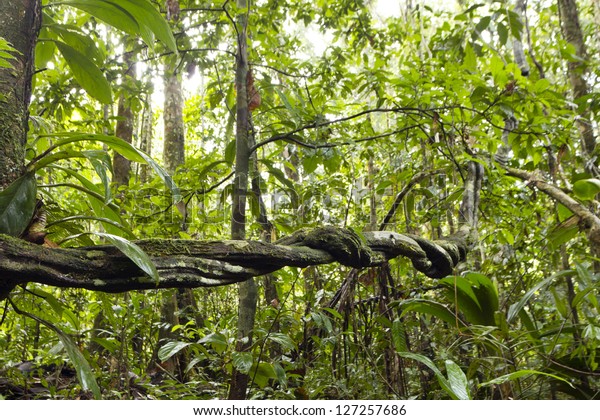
<point>357,104</point>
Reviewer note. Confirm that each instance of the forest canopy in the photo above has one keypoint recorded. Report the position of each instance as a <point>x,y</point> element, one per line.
<point>292,199</point>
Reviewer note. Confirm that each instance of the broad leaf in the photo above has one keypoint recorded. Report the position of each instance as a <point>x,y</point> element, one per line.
<point>85,375</point>
<point>101,208</point>
<point>444,383</point>
<point>217,340</point>
<point>147,16</point>
<point>80,41</point>
<point>134,252</point>
<point>170,349</point>
<point>586,189</point>
<point>430,307</point>
<point>108,12</point>
<point>282,339</point>
<point>87,74</point>
<point>458,380</point>
<point>17,204</point>
<point>242,361</point>
<point>399,336</point>
<point>520,373</point>
<point>119,145</point>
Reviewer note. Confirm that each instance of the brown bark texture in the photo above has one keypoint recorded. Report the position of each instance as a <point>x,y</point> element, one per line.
<point>187,264</point>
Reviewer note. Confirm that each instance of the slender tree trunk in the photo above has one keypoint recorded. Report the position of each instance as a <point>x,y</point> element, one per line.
<point>124,129</point>
<point>173,152</point>
<point>248,293</point>
<point>19,24</point>
<point>571,29</point>
<point>146,131</point>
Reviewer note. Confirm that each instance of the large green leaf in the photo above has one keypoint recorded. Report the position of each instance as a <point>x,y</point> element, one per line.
<point>399,335</point>
<point>283,340</point>
<point>17,204</point>
<point>586,189</point>
<point>458,381</point>
<point>242,361</point>
<point>134,252</point>
<point>147,16</point>
<point>74,37</point>
<point>217,340</point>
<point>119,145</point>
<point>101,208</point>
<point>87,73</point>
<point>444,383</point>
<point>108,12</point>
<point>477,297</point>
<point>429,307</point>
<point>170,349</point>
<point>85,375</point>
<point>520,373</point>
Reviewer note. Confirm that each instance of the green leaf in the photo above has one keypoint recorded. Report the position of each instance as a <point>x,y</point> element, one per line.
<point>515,308</point>
<point>438,374</point>
<point>399,336</point>
<point>97,201</point>
<point>17,205</point>
<point>458,380</point>
<point>586,189</point>
<point>87,74</point>
<point>583,293</point>
<point>108,12</point>
<point>282,339</point>
<point>44,50</point>
<point>101,161</point>
<point>170,349</point>
<point>281,374</point>
<point>85,375</point>
<point>119,145</point>
<point>134,252</point>
<point>147,16</point>
<point>110,344</point>
<point>242,361</point>
<point>515,24</point>
<point>470,60</point>
<point>217,340</point>
<point>54,303</point>
<point>477,297</point>
<point>6,54</point>
<point>230,152</point>
<point>519,374</point>
<point>263,373</point>
<point>483,24</point>
<point>541,85</point>
<point>562,234</point>
<point>429,307</point>
<point>80,41</point>
<point>502,33</point>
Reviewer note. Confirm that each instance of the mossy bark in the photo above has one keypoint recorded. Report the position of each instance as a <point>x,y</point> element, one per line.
<point>19,25</point>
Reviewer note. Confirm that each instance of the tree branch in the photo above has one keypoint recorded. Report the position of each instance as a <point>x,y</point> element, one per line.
<point>188,264</point>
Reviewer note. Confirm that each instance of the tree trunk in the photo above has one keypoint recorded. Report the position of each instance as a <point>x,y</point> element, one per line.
<point>174,145</point>
<point>174,156</point>
<point>19,24</point>
<point>248,293</point>
<point>571,29</point>
<point>146,137</point>
<point>124,130</point>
